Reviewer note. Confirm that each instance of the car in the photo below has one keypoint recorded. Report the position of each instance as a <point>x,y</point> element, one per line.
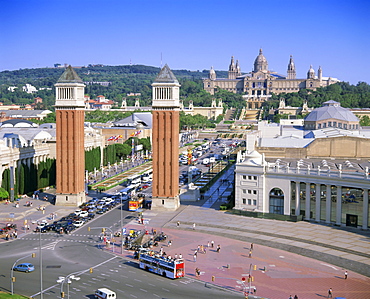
<point>92,210</point>
<point>78,223</point>
<point>145,186</point>
<point>24,267</point>
<point>83,214</point>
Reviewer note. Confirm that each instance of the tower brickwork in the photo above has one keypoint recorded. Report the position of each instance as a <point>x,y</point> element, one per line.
<point>70,152</point>
<point>165,134</point>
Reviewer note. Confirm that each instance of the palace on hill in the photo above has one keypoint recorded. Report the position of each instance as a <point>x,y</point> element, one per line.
<point>258,85</point>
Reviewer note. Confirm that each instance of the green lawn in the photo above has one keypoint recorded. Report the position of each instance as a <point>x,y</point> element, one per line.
<point>8,295</point>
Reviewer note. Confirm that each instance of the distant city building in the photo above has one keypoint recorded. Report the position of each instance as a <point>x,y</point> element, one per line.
<point>258,85</point>
<point>284,109</point>
<point>99,103</point>
<point>102,83</point>
<point>29,88</point>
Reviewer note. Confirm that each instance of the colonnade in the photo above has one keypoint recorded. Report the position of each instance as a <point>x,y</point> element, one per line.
<point>331,212</point>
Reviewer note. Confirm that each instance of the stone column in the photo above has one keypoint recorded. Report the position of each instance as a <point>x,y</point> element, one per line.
<point>297,198</point>
<point>365,213</point>
<point>328,203</point>
<point>318,202</point>
<point>308,201</point>
<point>338,218</point>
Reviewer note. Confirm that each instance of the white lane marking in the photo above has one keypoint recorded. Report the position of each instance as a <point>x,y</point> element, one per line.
<point>129,285</point>
<point>144,290</point>
<point>329,266</point>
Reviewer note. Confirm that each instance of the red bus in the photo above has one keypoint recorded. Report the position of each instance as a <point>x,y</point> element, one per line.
<point>135,204</point>
<point>162,266</point>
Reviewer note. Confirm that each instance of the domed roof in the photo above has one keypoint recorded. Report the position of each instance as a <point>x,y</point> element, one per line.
<point>331,110</point>
<point>260,63</point>
<point>18,123</point>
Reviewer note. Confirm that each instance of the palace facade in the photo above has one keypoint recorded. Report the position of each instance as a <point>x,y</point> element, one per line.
<point>258,85</point>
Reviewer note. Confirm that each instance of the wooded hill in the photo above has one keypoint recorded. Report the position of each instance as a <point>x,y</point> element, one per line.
<point>138,79</point>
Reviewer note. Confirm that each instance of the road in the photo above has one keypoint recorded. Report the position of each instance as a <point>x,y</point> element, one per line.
<point>80,251</point>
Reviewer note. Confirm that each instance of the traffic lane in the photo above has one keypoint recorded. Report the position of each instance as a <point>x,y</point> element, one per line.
<point>128,280</point>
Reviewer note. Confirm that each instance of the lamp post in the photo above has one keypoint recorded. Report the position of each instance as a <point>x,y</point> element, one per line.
<point>41,295</point>
<point>121,226</point>
<point>12,278</point>
<point>67,279</point>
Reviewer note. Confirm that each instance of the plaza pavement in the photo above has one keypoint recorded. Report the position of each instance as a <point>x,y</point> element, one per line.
<point>302,258</point>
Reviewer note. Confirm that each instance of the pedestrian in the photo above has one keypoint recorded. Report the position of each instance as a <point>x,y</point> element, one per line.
<point>205,250</point>
<point>169,243</point>
<point>251,246</point>
<point>178,223</point>
<point>15,235</point>
<point>198,248</point>
<point>290,297</point>
<point>295,297</point>
<point>197,272</point>
<point>212,244</point>
<point>254,290</point>
<point>345,275</point>
<point>218,248</point>
<point>250,253</point>
<point>175,256</point>
<point>208,244</point>
<point>7,237</point>
<point>180,256</point>
<point>195,258</point>
<point>330,293</point>
<point>193,226</point>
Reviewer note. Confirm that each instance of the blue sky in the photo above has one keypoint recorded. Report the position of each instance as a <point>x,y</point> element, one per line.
<point>189,34</point>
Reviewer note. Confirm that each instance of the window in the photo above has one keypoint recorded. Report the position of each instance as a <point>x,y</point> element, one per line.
<point>254,202</point>
<point>249,201</point>
<point>244,177</point>
<point>249,191</point>
<point>254,192</point>
<point>334,124</point>
<point>244,201</point>
<point>329,124</point>
<point>249,177</point>
<point>244,191</point>
<point>255,178</point>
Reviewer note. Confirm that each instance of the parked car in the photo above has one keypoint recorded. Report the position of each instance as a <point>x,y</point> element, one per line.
<point>24,267</point>
<point>78,223</point>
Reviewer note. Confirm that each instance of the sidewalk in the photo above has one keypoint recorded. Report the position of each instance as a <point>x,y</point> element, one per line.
<point>278,273</point>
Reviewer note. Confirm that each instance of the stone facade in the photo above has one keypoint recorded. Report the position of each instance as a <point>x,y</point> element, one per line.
<point>258,85</point>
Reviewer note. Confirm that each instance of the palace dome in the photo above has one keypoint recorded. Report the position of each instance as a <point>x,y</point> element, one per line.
<point>260,64</point>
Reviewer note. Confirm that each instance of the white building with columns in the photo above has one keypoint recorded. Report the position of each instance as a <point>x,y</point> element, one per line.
<point>333,191</point>
<point>22,141</point>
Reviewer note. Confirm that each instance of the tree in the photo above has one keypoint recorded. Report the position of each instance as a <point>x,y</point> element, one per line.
<point>3,194</point>
<point>122,150</point>
<point>365,121</point>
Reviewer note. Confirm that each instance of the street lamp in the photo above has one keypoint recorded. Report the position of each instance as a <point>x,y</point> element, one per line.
<point>67,279</point>
<point>103,230</point>
<point>12,278</point>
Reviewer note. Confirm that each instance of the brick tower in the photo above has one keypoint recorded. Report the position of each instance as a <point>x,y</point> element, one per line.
<point>165,134</point>
<point>70,152</point>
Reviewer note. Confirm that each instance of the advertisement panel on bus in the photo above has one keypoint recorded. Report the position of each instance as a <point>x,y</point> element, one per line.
<point>171,268</point>
<point>135,204</point>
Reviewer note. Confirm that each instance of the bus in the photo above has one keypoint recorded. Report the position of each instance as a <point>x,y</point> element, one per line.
<point>174,268</point>
<point>147,176</point>
<point>135,203</point>
<point>133,180</point>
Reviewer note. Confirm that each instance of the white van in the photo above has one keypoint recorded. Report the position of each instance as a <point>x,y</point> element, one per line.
<point>105,293</point>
